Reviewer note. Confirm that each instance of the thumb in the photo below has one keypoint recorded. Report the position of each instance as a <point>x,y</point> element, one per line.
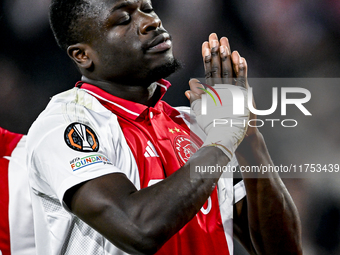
<point>187,94</point>
<point>195,91</point>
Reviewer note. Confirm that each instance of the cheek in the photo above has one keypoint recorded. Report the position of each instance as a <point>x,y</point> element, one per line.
<point>124,46</point>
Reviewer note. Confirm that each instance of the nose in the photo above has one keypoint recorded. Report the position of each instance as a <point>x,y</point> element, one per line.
<point>150,22</point>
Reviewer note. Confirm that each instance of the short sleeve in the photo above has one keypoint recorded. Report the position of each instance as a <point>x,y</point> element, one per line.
<point>66,149</point>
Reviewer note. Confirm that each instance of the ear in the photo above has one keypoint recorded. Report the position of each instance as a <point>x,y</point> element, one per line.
<point>80,54</point>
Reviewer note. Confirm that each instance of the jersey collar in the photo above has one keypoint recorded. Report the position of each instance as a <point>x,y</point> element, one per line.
<point>121,106</point>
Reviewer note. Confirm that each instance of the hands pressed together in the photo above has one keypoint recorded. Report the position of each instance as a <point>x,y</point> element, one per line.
<point>224,68</point>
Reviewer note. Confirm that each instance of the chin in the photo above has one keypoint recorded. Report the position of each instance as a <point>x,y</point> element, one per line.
<point>164,70</point>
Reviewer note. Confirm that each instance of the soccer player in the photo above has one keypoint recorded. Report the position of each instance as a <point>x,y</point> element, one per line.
<point>110,162</point>
<point>16,218</point>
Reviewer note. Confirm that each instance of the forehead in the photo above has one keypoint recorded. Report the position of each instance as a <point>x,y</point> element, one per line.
<point>117,4</point>
<point>101,10</point>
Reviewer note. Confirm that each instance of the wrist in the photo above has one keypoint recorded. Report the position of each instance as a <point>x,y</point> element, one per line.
<point>223,148</point>
<point>253,148</point>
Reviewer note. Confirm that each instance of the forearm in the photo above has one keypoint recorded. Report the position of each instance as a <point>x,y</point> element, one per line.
<point>141,221</point>
<point>274,224</point>
<point>181,195</point>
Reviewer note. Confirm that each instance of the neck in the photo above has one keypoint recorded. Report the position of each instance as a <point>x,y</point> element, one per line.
<point>146,95</point>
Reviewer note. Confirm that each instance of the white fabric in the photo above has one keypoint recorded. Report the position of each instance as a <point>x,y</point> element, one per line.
<point>20,208</point>
<point>239,191</point>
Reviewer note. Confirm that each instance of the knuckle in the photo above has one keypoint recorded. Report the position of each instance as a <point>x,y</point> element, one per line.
<point>225,73</point>
<point>214,49</point>
<point>241,82</point>
<point>215,70</point>
<point>242,67</point>
<point>214,53</point>
<point>208,75</point>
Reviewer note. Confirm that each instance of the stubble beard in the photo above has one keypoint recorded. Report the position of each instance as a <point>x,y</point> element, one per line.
<point>163,71</point>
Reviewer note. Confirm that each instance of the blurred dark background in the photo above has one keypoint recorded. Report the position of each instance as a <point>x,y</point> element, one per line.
<point>279,38</point>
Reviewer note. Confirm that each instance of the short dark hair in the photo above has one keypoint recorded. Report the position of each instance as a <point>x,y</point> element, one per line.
<point>70,21</point>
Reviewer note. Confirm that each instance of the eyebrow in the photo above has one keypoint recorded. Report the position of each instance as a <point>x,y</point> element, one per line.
<point>121,5</point>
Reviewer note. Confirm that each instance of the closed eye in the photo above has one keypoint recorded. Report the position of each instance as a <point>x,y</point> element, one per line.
<point>147,7</point>
<point>124,20</point>
<point>148,10</point>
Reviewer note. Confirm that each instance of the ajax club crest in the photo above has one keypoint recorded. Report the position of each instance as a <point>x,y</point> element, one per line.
<point>184,148</point>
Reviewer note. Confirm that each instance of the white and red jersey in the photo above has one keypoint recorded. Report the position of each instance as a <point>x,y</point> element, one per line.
<point>16,219</point>
<point>85,133</point>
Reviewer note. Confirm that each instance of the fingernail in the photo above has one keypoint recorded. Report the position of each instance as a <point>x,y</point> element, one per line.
<point>241,60</point>
<point>214,43</point>
<point>222,49</point>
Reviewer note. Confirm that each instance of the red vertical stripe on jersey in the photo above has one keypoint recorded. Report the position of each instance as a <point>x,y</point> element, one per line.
<point>4,200</point>
<point>8,142</point>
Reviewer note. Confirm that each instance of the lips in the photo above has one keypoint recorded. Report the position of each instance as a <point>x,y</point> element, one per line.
<point>161,43</point>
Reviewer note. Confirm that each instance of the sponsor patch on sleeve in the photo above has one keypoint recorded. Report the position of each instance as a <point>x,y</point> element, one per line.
<point>79,163</point>
<point>81,137</point>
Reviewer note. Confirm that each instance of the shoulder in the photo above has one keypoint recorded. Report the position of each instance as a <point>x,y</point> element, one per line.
<point>69,108</point>
<point>73,122</point>
<point>72,103</point>
<point>75,139</point>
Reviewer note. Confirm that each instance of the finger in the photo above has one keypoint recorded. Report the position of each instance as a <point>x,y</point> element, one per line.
<point>227,70</point>
<point>240,68</point>
<point>195,90</point>
<point>187,94</point>
<point>235,60</point>
<point>242,73</point>
<point>206,53</point>
<point>215,58</point>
